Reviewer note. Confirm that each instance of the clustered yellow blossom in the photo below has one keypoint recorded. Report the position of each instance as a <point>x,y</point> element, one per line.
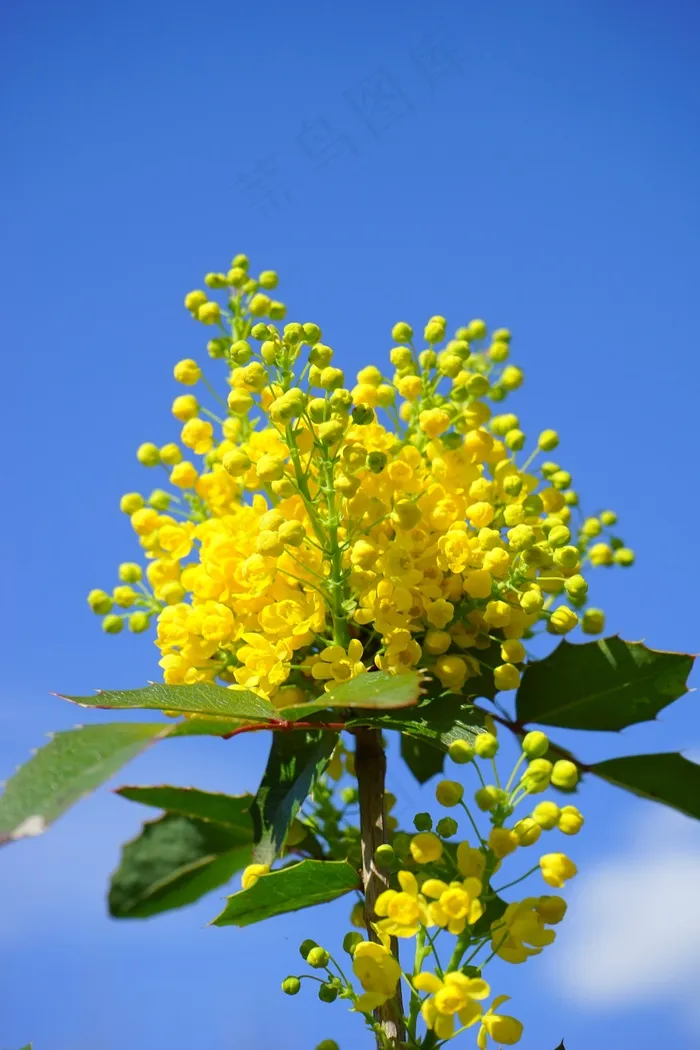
<point>439,888</point>
<point>314,528</point>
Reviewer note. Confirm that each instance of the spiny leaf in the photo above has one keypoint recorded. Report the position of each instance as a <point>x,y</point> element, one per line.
<point>667,777</point>
<point>70,766</point>
<point>231,810</point>
<point>174,861</point>
<point>289,889</point>
<point>294,765</point>
<point>603,685</point>
<point>200,698</point>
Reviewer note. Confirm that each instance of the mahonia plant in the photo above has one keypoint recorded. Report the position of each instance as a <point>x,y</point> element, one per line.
<point>335,563</point>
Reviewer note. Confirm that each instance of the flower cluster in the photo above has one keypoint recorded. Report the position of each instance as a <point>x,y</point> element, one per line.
<point>443,888</point>
<point>313,529</point>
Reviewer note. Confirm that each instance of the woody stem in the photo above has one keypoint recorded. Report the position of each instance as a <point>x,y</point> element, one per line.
<point>370,768</point>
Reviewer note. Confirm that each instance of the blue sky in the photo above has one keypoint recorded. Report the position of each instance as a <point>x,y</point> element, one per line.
<point>536,165</point>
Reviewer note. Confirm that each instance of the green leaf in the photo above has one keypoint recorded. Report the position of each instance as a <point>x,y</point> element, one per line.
<point>289,889</point>
<point>230,810</point>
<point>201,698</point>
<point>603,685</point>
<point>377,690</point>
<point>174,861</point>
<point>295,763</point>
<point>437,721</point>
<point>70,766</point>
<point>667,777</point>
<point>423,759</point>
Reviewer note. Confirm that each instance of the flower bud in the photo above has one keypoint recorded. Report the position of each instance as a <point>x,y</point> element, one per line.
<point>567,557</point>
<point>195,299</point>
<point>292,533</point>
<point>487,798</point>
<point>535,744</point>
<point>148,454</point>
<point>537,776</point>
<point>548,440</point>
<point>317,957</point>
<point>269,468</point>
<point>528,831</point>
<point>423,822</point>
<point>515,440</point>
<point>131,502</point>
<point>449,793</point>
<point>331,432</point>
<point>570,820</point>
<point>209,313</point>
<point>402,332</point>
<point>139,622</point>
<point>562,620</point>
<point>99,601</point>
<point>476,329</point>
<point>564,775</point>
<point>546,814</point>
<point>259,305</point>
<point>384,857</point>
<point>340,400</point>
<point>477,385</point>
<point>331,378</point>
<point>624,556</point>
<point>306,946</point>
<point>434,331</point>
<point>593,621</point>
<point>276,311</point>
<point>291,985</point>
<point>113,624</point>
<point>236,463</point>
<point>485,745</point>
<point>511,377</point>
<point>461,751</point>
<point>499,351</point>
<point>268,279</point>
<point>427,359</point>
<point>401,357</point>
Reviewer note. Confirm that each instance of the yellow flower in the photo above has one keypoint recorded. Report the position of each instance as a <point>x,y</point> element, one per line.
<point>556,869</point>
<point>406,911</point>
<point>455,995</point>
<point>426,848</point>
<point>502,1029</point>
<point>520,932</point>
<point>335,664</point>
<point>503,841</point>
<point>377,971</point>
<point>457,904</point>
<point>470,861</point>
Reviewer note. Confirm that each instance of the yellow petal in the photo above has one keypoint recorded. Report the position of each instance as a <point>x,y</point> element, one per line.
<point>427,982</point>
<point>470,1014</point>
<point>408,883</point>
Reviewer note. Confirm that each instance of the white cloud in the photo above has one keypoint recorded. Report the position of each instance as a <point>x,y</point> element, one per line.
<point>634,921</point>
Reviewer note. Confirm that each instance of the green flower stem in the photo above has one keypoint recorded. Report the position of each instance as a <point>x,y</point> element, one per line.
<point>516,881</point>
<point>473,822</point>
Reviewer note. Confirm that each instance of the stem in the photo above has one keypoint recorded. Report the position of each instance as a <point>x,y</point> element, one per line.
<point>370,769</point>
